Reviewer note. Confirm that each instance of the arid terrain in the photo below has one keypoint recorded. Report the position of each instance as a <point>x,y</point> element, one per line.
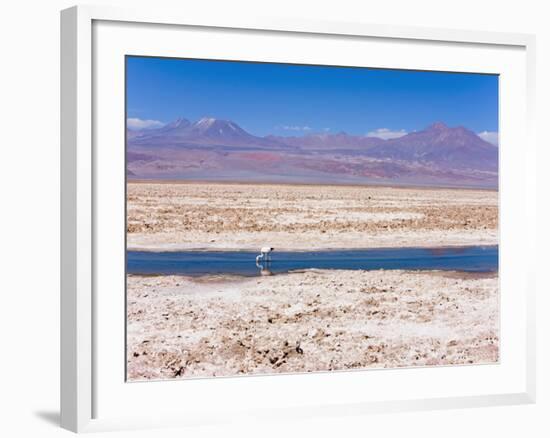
<point>172,216</point>
<point>181,327</point>
<point>311,320</point>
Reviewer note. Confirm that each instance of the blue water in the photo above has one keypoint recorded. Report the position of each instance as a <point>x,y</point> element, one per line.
<point>196,263</point>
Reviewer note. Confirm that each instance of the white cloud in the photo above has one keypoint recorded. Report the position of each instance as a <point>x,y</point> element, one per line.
<point>296,128</point>
<point>135,123</point>
<point>490,136</point>
<point>386,134</point>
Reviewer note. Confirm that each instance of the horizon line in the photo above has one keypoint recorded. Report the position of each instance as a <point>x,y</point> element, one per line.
<point>295,130</point>
<point>395,185</point>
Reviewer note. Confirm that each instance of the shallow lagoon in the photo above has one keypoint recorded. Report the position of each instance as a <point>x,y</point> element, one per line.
<point>197,263</point>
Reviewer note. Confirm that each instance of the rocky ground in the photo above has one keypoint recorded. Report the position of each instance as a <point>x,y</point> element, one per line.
<point>171,216</point>
<point>181,327</point>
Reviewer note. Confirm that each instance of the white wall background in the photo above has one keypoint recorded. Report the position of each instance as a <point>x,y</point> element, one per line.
<point>29,218</point>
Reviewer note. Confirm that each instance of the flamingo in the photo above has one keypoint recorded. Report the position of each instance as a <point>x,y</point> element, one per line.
<point>265,254</point>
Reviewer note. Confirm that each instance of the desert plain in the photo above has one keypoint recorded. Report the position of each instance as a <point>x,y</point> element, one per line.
<point>310,320</point>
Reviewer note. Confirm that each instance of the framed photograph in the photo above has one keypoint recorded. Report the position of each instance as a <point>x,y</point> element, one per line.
<point>282,218</point>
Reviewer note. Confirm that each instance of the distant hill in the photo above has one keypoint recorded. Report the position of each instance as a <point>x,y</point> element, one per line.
<point>328,142</point>
<point>448,148</point>
<point>214,149</point>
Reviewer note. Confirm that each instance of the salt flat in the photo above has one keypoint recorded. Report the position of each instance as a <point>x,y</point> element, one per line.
<point>182,216</point>
<point>313,320</point>
<point>309,321</point>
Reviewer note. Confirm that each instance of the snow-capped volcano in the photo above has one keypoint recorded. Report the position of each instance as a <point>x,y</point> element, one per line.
<point>205,131</point>
<point>215,148</point>
<point>215,128</point>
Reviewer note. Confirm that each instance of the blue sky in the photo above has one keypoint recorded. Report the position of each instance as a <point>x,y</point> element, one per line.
<point>287,99</point>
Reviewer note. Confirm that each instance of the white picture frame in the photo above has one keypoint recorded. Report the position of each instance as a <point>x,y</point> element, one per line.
<point>81,169</point>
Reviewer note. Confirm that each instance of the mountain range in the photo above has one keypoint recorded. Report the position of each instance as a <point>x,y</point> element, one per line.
<point>214,149</point>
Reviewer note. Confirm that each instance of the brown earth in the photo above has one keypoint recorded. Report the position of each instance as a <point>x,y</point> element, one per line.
<point>171,216</point>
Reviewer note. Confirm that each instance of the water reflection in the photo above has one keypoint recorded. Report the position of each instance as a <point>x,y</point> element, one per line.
<point>264,267</point>
<point>469,259</point>
<point>439,252</point>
